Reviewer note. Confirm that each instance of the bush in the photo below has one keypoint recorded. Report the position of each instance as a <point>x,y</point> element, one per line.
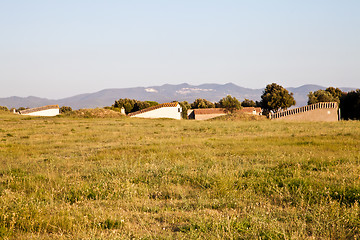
<point>65,109</point>
<point>3,108</point>
<point>184,106</point>
<point>202,103</point>
<point>231,104</point>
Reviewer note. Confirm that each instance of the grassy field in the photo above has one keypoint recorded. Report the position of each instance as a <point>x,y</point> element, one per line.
<point>121,178</point>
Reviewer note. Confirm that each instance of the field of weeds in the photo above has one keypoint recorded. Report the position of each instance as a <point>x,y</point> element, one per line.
<point>121,178</point>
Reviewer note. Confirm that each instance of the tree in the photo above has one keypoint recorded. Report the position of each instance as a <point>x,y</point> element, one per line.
<point>335,92</point>
<point>152,103</point>
<point>328,95</point>
<point>184,106</point>
<point>350,105</point>
<point>65,109</point>
<point>132,105</point>
<point>126,103</point>
<point>139,105</point>
<point>276,98</point>
<point>320,96</point>
<point>3,108</point>
<point>248,103</point>
<point>231,104</point>
<point>202,103</point>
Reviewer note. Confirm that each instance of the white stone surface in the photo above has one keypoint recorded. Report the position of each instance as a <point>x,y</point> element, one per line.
<point>164,112</point>
<point>45,113</point>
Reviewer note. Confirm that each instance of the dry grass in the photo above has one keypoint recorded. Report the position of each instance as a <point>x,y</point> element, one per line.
<point>240,117</point>
<point>94,113</point>
<point>116,178</point>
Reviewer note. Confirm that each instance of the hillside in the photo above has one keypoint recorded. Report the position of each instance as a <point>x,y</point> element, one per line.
<point>161,94</point>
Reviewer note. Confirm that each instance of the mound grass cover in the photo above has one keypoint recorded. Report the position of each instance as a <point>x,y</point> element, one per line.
<point>239,116</point>
<point>122,178</point>
<point>94,113</point>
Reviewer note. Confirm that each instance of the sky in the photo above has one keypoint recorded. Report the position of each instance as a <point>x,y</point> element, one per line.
<point>61,48</point>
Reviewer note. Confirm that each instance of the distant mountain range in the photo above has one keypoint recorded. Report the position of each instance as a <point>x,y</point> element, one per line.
<point>161,94</point>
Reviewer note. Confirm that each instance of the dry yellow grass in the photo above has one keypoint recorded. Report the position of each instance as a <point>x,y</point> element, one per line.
<point>116,178</point>
<point>94,113</point>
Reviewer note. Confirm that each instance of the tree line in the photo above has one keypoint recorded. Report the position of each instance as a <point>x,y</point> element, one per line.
<point>131,105</point>
<point>349,102</point>
<point>229,103</point>
<point>274,98</point>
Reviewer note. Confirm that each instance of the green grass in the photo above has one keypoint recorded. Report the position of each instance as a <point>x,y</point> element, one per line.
<point>121,178</point>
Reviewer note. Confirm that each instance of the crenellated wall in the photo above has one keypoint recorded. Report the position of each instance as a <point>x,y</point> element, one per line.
<point>324,111</point>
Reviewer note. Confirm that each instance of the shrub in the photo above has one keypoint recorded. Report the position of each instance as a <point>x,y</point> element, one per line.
<point>65,109</point>
<point>202,103</point>
<point>231,104</point>
<point>248,103</point>
<point>185,106</point>
<point>3,108</point>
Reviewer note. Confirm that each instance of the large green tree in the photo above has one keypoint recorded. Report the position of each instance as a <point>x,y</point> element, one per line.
<point>330,94</point>
<point>184,106</point>
<point>230,104</point>
<point>126,103</point>
<point>139,105</point>
<point>350,105</point>
<point>248,103</point>
<point>335,92</point>
<point>276,98</point>
<point>132,105</point>
<point>202,103</point>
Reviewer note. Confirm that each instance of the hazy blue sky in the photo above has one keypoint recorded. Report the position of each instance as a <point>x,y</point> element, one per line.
<point>65,47</point>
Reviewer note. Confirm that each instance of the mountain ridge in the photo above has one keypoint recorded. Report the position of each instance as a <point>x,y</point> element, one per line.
<point>164,93</point>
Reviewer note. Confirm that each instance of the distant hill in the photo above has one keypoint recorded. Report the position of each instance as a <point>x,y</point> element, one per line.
<point>161,94</point>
